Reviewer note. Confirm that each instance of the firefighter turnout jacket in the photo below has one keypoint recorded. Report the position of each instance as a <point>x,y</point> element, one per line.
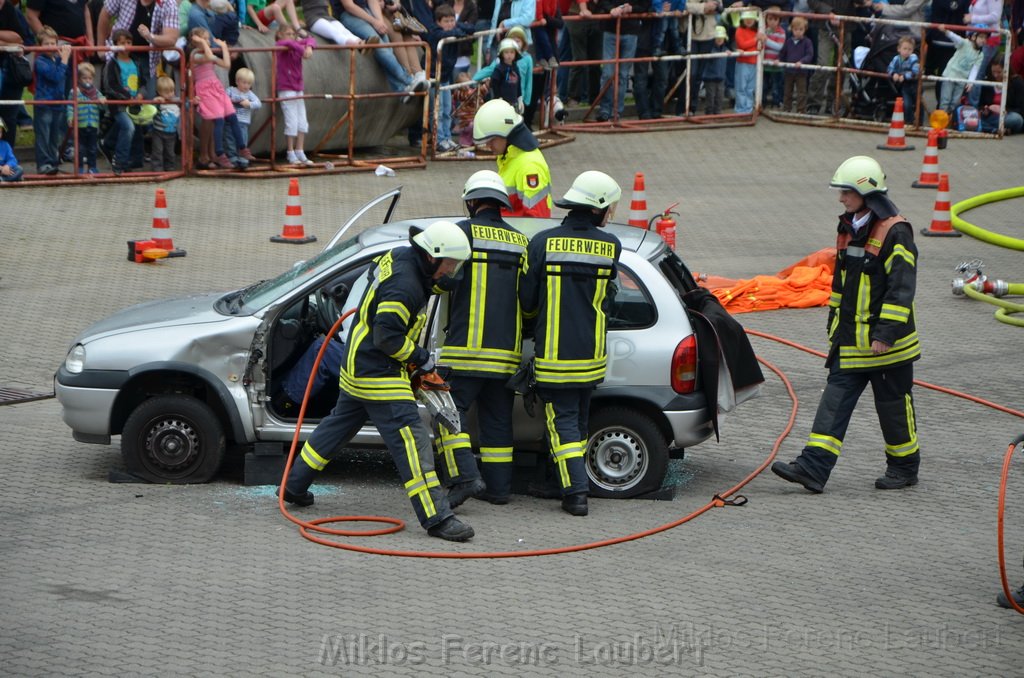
<point>380,341</point>
<point>525,172</point>
<point>484,335</point>
<point>872,296</point>
<point>568,286</point>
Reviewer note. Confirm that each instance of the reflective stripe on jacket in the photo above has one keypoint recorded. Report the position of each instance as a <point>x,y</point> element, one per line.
<point>567,284</point>
<point>485,329</point>
<point>873,295</point>
<point>379,344</point>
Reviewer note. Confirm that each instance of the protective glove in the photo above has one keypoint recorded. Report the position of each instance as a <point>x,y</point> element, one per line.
<point>427,366</point>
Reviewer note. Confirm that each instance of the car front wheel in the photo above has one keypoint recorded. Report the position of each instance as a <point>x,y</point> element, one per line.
<point>627,454</point>
<point>173,439</point>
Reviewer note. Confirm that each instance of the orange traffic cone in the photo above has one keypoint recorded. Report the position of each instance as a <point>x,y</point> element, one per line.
<point>162,227</point>
<point>941,225</point>
<point>638,204</point>
<point>897,140</point>
<point>293,231</point>
<point>930,167</point>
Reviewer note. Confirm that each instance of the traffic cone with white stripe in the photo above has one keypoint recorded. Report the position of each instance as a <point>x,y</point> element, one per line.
<point>941,225</point>
<point>930,167</point>
<point>638,204</point>
<point>162,227</point>
<point>897,140</point>
<point>293,231</point>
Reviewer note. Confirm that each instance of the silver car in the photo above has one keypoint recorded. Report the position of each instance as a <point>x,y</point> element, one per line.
<point>179,380</point>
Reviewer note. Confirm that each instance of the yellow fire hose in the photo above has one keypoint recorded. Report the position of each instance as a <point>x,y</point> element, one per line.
<point>977,232</point>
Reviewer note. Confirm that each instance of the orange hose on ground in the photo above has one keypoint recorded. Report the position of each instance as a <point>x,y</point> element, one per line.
<point>999,529</point>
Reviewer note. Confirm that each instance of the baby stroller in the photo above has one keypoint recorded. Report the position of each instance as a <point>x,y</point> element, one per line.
<point>872,97</point>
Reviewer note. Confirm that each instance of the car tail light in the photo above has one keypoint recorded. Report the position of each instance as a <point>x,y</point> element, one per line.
<point>684,365</point>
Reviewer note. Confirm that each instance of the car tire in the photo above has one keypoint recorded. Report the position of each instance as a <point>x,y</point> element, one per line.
<point>627,454</point>
<point>173,439</point>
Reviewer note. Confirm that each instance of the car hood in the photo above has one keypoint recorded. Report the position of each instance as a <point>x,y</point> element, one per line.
<point>190,310</point>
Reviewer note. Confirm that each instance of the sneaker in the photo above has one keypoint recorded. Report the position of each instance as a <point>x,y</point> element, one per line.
<point>575,504</point>
<point>222,162</point>
<point>794,473</point>
<point>239,163</point>
<point>47,169</point>
<point>302,159</point>
<point>451,529</point>
<point>895,481</point>
<point>247,154</point>
<point>292,158</point>
<point>447,146</point>
<point>69,154</point>
<point>93,170</point>
<point>1018,597</point>
<point>304,499</point>
<point>496,499</point>
<point>117,170</point>
<point>460,492</point>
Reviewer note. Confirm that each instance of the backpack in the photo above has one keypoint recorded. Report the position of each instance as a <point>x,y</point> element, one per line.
<point>17,71</point>
<point>967,119</point>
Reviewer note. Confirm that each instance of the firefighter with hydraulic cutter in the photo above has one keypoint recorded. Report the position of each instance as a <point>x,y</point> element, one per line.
<point>569,286</point>
<point>872,333</point>
<point>483,344</point>
<point>520,163</point>
<point>375,379</point>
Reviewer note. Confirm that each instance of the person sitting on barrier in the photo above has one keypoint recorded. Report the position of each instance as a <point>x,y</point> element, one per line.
<point>212,99</point>
<point>290,91</point>
<point>318,18</point>
<point>964,64</point>
<point>260,14</point>
<point>992,95</point>
<point>365,18</point>
<point>10,170</point>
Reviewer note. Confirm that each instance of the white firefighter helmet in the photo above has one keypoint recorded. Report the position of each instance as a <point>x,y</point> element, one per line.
<point>496,118</point>
<point>860,173</point>
<point>591,189</point>
<point>486,184</point>
<point>443,240</point>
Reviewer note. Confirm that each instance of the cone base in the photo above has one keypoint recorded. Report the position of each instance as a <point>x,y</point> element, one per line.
<point>176,253</point>
<point>886,147</point>
<point>942,234</point>
<point>925,184</point>
<point>293,241</point>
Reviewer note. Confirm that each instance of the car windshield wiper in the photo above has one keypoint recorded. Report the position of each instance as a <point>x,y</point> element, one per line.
<point>235,301</point>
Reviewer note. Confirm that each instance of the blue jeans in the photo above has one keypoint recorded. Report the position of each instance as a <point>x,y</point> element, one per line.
<point>87,140</point>
<point>120,138</point>
<point>444,114</point>
<point>1011,125</point>
<point>746,85</point>
<point>987,52</point>
<point>627,50</point>
<point>398,79</point>
<point>50,123</point>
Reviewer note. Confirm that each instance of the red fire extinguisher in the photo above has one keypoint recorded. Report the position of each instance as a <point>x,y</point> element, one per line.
<point>666,225</point>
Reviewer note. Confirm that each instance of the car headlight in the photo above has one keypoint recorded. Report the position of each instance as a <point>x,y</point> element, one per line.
<point>75,361</point>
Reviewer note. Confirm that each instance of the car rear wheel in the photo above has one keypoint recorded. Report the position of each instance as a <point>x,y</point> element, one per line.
<point>627,454</point>
<point>173,439</point>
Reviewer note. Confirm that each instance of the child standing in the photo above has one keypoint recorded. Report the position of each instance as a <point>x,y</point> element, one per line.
<point>797,50</point>
<point>965,63</point>
<point>165,127</point>
<point>244,100</point>
<point>87,123</point>
<point>121,82</point>
<point>904,70</point>
<point>668,27</point>
<point>10,170</point>
<point>748,39</point>
<point>213,102</point>
<point>775,38</point>
<point>713,73</point>
<point>289,91</point>
<point>524,65</point>
<point>49,120</point>
<point>505,78</point>
<point>445,27</point>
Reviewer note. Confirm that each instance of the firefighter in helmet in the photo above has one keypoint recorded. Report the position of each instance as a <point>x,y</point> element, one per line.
<point>568,285</point>
<point>375,381</point>
<point>872,333</point>
<point>483,344</point>
<point>520,163</point>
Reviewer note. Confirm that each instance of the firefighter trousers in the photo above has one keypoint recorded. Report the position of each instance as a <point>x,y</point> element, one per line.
<point>406,437</point>
<point>894,405</point>
<point>566,415</point>
<point>494,421</point>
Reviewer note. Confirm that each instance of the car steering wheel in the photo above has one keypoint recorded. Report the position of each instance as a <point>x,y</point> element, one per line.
<point>329,301</point>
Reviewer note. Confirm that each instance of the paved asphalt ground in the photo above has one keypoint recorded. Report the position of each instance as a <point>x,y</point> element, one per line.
<point>120,579</point>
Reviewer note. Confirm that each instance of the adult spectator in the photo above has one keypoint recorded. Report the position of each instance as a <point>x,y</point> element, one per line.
<point>509,13</point>
<point>12,32</point>
<point>150,23</point>
<point>585,42</point>
<point>618,40</point>
<point>992,96</point>
<point>70,18</point>
<point>365,19</point>
<point>910,10</point>
<point>705,18</point>
<point>821,92</point>
<point>649,76</point>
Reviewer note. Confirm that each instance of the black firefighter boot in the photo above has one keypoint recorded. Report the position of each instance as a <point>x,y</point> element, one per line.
<point>811,469</point>
<point>296,485</point>
<point>498,477</point>
<point>900,472</point>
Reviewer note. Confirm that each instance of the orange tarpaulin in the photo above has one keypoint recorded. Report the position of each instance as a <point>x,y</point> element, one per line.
<point>804,284</point>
